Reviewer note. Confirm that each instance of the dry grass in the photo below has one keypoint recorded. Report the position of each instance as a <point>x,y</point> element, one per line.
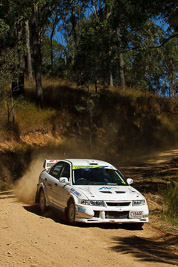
<point>124,120</point>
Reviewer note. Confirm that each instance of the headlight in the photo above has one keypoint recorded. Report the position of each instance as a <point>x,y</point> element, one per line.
<point>92,202</point>
<point>138,202</point>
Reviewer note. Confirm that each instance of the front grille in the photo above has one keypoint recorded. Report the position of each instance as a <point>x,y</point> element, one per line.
<point>115,204</point>
<point>96,213</point>
<point>116,215</point>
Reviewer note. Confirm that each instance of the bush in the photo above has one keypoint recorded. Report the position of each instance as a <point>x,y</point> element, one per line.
<point>171,200</point>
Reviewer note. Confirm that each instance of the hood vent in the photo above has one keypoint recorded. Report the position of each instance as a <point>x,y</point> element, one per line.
<point>106,192</point>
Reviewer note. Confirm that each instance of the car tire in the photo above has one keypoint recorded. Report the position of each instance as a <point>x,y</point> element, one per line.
<point>71,212</point>
<point>42,202</point>
<point>137,226</point>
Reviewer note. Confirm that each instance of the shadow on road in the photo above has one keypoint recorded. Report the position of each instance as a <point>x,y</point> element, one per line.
<point>160,249</point>
<point>59,217</point>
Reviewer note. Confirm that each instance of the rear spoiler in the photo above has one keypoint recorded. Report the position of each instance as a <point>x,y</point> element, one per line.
<point>49,162</point>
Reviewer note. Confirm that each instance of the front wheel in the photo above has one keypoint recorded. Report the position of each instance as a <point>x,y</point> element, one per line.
<point>71,212</point>
<point>137,226</point>
<point>42,201</point>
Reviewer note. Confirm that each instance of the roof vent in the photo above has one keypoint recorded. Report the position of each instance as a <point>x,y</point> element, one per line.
<point>93,163</point>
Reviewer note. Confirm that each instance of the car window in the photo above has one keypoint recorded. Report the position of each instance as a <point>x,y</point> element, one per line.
<point>56,169</point>
<point>97,176</point>
<point>65,171</point>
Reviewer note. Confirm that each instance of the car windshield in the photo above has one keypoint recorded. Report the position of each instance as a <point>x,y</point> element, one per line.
<point>97,176</point>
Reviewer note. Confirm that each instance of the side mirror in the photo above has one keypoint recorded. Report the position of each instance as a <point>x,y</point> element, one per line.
<point>64,180</point>
<point>129,181</point>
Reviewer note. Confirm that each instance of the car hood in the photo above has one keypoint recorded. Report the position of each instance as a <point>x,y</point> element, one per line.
<point>109,192</point>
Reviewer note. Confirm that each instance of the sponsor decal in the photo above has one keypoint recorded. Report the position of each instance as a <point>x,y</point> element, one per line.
<point>52,160</point>
<point>81,209</point>
<point>73,191</point>
<point>88,167</point>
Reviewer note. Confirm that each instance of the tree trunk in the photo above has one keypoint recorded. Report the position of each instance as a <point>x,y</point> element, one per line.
<point>121,61</point>
<point>110,67</point>
<point>111,80</point>
<point>122,76</point>
<point>29,59</point>
<point>21,64</point>
<point>65,60</point>
<point>55,21</point>
<point>73,32</point>
<point>36,43</point>
<point>51,44</point>
<point>52,61</point>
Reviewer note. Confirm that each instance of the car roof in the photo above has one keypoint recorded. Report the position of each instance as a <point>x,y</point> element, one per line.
<point>87,162</point>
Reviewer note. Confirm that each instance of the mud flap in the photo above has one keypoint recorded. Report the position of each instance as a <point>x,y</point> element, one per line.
<point>37,196</point>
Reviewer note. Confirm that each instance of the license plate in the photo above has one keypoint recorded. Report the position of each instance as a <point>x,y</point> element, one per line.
<point>135,214</point>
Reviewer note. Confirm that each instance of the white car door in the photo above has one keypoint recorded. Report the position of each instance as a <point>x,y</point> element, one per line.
<point>61,194</point>
<point>52,181</point>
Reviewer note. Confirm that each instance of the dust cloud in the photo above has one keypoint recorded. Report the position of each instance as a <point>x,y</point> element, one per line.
<point>25,187</point>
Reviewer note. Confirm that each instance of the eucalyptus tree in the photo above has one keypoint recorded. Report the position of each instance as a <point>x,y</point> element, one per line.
<point>169,59</point>
<point>107,30</point>
<point>13,43</point>
<point>72,14</point>
<point>32,16</point>
<point>41,12</point>
<point>58,63</point>
<point>122,34</point>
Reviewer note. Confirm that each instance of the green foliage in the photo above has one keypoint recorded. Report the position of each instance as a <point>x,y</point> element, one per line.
<point>128,28</point>
<point>4,29</point>
<point>88,104</point>
<point>88,108</point>
<point>9,62</point>
<point>90,62</point>
<point>171,200</point>
<point>58,60</point>
<point>116,42</point>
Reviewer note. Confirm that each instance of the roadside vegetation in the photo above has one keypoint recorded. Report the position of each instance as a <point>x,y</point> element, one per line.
<point>107,124</point>
<point>171,199</point>
<point>129,122</point>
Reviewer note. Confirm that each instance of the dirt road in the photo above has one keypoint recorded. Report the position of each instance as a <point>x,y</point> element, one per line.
<point>27,239</point>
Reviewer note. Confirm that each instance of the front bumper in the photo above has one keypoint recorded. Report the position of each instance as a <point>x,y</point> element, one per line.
<point>91,214</point>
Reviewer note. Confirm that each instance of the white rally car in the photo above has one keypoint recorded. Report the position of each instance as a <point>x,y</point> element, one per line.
<point>90,191</point>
